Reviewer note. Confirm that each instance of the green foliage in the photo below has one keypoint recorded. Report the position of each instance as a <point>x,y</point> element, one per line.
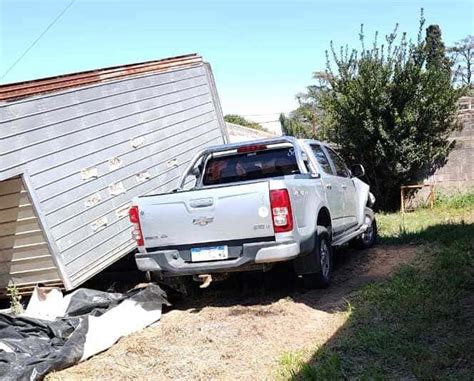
<point>306,120</point>
<point>414,227</point>
<point>292,365</point>
<point>390,107</point>
<point>294,126</point>
<point>435,49</point>
<point>15,299</point>
<point>463,201</point>
<point>240,120</point>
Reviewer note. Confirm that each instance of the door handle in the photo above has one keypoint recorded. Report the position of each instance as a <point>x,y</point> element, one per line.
<point>344,186</point>
<point>328,186</point>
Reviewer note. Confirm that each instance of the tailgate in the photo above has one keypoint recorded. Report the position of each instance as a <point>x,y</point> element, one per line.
<point>237,212</point>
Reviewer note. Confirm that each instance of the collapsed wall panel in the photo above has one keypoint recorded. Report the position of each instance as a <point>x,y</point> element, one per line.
<point>86,152</point>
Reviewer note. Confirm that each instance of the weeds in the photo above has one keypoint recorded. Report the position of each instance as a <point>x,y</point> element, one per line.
<point>417,226</point>
<point>15,299</point>
<point>455,201</point>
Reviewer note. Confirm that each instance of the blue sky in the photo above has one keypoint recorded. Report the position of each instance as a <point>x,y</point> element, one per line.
<point>262,52</point>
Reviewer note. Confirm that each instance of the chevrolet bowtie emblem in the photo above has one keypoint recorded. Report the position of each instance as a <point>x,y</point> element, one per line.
<point>203,221</point>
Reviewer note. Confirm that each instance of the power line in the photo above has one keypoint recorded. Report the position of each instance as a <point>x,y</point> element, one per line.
<point>38,38</point>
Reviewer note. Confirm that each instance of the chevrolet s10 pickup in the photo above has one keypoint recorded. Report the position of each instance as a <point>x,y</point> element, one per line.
<point>246,206</point>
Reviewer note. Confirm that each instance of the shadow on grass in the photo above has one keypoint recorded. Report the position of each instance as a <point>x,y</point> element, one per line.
<point>441,234</point>
<point>419,324</point>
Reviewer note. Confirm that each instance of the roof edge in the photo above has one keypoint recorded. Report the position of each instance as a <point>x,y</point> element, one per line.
<point>18,90</point>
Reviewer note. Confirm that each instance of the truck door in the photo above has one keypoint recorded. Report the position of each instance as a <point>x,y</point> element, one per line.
<point>333,188</point>
<point>347,188</point>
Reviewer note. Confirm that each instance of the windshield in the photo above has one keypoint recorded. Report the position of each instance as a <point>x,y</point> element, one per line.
<point>250,166</point>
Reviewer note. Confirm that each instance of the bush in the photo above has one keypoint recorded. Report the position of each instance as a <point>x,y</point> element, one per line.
<point>390,107</point>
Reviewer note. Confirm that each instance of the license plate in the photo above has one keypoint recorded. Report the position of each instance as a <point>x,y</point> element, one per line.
<point>215,253</point>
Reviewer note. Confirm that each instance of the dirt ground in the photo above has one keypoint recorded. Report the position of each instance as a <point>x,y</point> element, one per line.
<point>240,328</point>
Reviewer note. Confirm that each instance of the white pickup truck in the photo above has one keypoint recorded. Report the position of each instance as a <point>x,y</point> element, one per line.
<point>246,206</point>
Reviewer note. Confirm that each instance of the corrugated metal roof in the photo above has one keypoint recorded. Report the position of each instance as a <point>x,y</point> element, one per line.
<point>14,91</point>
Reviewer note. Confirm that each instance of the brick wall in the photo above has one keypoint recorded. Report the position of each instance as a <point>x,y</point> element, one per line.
<point>458,173</point>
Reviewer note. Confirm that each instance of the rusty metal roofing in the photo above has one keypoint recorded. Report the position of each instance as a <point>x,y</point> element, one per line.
<point>15,91</point>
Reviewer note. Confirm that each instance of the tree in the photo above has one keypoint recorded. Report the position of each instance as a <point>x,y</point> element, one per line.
<point>305,121</point>
<point>294,126</point>
<point>435,49</point>
<point>463,55</point>
<point>390,107</point>
<point>240,120</point>
<point>301,122</point>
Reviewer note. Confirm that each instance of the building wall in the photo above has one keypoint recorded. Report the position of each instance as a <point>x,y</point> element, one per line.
<point>86,152</point>
<point>458,173</point>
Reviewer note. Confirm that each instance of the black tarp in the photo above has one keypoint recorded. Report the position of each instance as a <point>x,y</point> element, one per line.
<point>37,347</point>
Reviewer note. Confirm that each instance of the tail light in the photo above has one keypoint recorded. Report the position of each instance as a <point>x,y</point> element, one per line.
<point>281,210</point>
<point>137,229</point>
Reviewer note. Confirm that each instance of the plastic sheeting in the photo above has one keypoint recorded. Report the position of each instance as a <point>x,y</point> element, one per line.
<point>56,332</point>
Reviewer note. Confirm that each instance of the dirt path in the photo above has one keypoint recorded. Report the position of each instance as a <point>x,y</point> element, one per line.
<point>231,332</point>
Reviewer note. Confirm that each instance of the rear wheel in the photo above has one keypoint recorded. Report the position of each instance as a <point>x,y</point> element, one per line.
<point>323,257</point>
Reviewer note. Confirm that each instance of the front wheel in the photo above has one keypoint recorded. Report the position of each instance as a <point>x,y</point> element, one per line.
<point>322,254</point>
<point>367,239</point>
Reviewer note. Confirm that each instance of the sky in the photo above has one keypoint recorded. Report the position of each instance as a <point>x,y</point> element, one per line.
<point>262,52</point>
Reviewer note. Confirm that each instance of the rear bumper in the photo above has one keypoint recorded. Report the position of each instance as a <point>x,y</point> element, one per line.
<point>252,256</point>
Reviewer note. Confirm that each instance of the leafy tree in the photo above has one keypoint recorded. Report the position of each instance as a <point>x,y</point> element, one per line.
<point>390,107</point>
<point>301,123</point>
<point>435,49</point>
<point>305,121</point>
<point>463,55</point>
<point>294,126</point>
<point>240,120</point>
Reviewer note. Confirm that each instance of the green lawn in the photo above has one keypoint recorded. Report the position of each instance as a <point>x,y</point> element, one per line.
<point>419,324</point>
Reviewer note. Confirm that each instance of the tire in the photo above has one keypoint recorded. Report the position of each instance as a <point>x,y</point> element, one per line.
<point>367,239</point>
<point>323,257</point>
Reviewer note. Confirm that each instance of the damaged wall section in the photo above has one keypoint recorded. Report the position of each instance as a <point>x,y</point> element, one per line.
<point>87,151</point>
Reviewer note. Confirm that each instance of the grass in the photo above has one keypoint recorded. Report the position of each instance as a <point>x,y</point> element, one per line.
<point>418,226</point>
<point>419,324</point>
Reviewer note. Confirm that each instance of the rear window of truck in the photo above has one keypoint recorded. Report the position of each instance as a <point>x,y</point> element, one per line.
<point>250,166</point>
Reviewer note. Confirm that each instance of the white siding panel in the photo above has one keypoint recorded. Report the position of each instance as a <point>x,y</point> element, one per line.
<point>114,145</point>
<point>54,137</point>
<point>24,253</point>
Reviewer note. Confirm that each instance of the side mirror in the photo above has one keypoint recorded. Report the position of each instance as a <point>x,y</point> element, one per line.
<point>357,170</point>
